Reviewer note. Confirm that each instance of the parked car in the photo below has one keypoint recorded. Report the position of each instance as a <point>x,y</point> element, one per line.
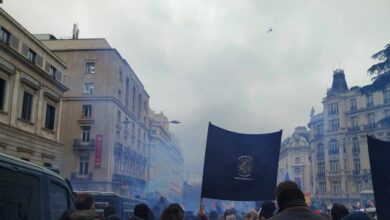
<point>31,192</point>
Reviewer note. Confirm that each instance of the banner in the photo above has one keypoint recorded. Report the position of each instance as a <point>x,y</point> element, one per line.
<point>379,154</point>
<point>98,150</point>
<point>240,167</point>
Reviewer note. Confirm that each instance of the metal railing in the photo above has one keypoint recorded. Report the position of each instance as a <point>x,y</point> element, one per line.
<point>79,144</point>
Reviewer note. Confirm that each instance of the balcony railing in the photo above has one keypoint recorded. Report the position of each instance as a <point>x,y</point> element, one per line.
<point>320,156</point>
<point>79,144</point>
<point>354,129</point>
<point>369,126</point>
<point>78,176</point>
<point>321,175</point>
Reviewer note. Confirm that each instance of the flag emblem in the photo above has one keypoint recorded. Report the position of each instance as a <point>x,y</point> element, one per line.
<point>245,166</point>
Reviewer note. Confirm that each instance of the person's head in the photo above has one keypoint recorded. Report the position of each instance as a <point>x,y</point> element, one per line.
<point>109,210</point>
<point>143,211</point>
<point>338,211</point>
<point>213,215</point>
<point>229,214</point>
<point>267,210</point>
<point>251,215</point>
<point>287,192</point>
<point>85,202</point>
<point>357,215</point>
<point>173,212</point>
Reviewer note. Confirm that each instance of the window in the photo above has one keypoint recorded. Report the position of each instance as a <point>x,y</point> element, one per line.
<point>118,136</point>
<point>320,151</point>
<point>58,200</point>
<point>19,195</point>
<point>50,116</point>
<point>31,56</point>
<point>333,147</point>
<point>321,169</point>
<point>353,105</point>
<point>354,122</point>
<point>369,100</point>
<point>27,106</point>
<point>356,166</point>
<point>119,117</point>
<point>90,67</point>
<point>119,95</point>
<point>322,187</point>
<point>120,75</point>
<point>355,146</point>
<point>52,71</point>
<point>85,133</point>
<point>133,100</point>
<point>358,187</point>
<point>334,166</point>
<point>298,171</point>
<point>2,93</point>
<point>4,36</point>
<point>371,119</point>
<point>386,97</point>
<point>87,111</point>
<point>83,171</point>
<point>334,125</point>
<point>333,108</point>
<point>387,113</point>
<point>127,93</point>
<point>88,88</point>
<point>336,186</point>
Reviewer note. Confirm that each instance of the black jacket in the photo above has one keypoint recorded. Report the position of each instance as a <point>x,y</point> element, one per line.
<point>112,217</point>
<point>296,210</point>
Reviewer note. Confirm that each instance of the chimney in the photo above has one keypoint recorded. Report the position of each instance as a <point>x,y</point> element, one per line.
<point>339,84</point>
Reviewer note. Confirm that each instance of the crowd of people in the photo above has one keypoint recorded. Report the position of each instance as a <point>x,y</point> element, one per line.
<point>290,201</point>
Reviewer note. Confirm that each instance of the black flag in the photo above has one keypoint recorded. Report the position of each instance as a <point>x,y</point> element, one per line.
<point>241,167</point>
<point>379,153</point>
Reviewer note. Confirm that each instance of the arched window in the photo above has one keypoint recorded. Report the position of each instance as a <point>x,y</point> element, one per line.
<point>320,150</point>
<point>355,146</point>
<point>333,147</point>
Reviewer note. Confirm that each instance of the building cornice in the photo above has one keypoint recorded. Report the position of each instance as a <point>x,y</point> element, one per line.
<point>8,17</point>
<point>36,69</point>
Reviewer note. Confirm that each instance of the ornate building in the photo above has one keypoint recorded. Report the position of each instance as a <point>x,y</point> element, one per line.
<point>102,152</point>
<point>166,177</point>
<point>295,159</point>
<point>31,96</point>
<point>338,136</point>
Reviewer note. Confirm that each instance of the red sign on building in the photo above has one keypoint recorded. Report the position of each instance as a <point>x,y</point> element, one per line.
<point>98,150</point>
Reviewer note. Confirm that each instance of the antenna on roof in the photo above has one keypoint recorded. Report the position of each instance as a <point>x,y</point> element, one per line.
<point>75,31</point>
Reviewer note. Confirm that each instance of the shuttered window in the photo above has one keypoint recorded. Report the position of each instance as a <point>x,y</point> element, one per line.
<point>50,116</point>
<point>27,106</point>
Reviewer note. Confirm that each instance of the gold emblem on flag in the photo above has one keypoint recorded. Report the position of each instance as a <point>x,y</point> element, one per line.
<point>245,166</point>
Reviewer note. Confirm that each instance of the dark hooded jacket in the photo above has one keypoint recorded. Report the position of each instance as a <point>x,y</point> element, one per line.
<point>292,206</point>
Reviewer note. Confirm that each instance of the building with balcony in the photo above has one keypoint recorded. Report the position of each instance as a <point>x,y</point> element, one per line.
<point>31,96</point>
<point>295,160</point>
<point>166,177</point>
<point>338,137</point>
<point>101,152</point>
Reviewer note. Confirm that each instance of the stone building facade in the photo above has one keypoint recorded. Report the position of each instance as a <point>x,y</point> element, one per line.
<point>31,96</point>
<point>104,114</point>
<point>295,160</point>
<point>338,136</point>
<point>166,177</point>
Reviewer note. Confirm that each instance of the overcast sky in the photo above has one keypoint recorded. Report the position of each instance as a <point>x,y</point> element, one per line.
<point>208,60</point>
